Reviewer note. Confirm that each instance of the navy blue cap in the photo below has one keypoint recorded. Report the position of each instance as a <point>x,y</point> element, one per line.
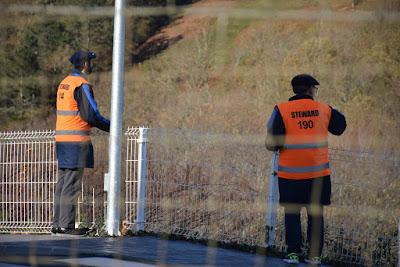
<point>79,57</point>
<point>303,80</point>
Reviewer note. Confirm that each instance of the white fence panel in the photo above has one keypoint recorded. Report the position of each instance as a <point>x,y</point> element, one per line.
<point>28,174</point>
<point>207,187</point>
<point>215,187</point>
<point>28,171</point>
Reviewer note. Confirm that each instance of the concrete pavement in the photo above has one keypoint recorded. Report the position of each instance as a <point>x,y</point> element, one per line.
<point>135,251</point>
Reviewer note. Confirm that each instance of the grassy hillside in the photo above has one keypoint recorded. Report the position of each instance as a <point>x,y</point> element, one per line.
<point>229,76</point>
<point>232,87</point>
<point>226,75</point>
<point>36,47</point>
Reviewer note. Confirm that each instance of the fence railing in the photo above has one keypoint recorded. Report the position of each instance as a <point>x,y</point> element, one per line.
<point>28,174</point>
<point>217,187</point>
<point>206,186</point>
<point>28,170</point>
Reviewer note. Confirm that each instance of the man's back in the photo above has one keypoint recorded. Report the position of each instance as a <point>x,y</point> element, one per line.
<point>299,130</point>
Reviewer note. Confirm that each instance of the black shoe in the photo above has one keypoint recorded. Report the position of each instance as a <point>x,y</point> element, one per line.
<point>55,230</point>
<point>75,232</point>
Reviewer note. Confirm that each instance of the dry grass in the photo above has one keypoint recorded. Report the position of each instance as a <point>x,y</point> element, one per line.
<point>356,63</point>
<point>214,187</point>
<point>232,87</point>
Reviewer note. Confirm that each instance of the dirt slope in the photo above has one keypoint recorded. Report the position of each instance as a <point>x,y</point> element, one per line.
<point>184,27</point>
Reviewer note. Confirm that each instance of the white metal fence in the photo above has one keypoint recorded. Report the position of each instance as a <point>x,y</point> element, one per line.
<point>28,168</point>
<point>216,187</point>
<point>207,187</point>
<point>28,174</point>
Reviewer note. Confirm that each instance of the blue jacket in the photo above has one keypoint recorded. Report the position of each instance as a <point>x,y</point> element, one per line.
<point>80,155</point>
<point>276,128</point>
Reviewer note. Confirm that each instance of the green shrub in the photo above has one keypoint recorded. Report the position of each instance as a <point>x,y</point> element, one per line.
<point>26,55</point>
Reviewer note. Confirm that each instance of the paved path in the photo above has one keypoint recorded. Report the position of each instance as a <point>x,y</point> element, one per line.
<point>47,250</point>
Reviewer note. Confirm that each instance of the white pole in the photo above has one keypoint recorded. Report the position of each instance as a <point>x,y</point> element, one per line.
<point>141,174</point>
<point>273,197</point>
<point>117,108</point>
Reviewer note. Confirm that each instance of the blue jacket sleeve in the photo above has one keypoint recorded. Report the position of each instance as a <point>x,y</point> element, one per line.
<point>88,108</point>
<point>337,123</point>
<point>275,131</point>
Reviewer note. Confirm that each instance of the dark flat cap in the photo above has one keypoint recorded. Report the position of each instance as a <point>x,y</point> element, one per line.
<point>303,80</point>
<point>79,57</point>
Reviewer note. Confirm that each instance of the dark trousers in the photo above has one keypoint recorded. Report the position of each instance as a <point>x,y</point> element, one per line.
<point>315,229</point>
<point>310,193</point>
<point>66,197</point>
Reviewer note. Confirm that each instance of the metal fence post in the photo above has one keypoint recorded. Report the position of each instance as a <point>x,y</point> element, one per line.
<point>141,174</point>
<point>273,197</point>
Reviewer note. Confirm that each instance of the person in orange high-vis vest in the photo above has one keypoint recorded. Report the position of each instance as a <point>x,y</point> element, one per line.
<point>299,130</point>
<point>77,113</point>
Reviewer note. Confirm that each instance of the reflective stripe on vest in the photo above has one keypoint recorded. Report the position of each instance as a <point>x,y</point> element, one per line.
<point>72,132</point>
<point>304,169</point>
<point>68,112</point>
<point>304,146</point>
<point>70,127</point>
<point>305,152</point>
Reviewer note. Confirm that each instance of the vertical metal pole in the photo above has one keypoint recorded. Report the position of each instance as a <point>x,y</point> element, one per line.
<point>141,174</point>
<point>117,107</point>
<point>273,197</point>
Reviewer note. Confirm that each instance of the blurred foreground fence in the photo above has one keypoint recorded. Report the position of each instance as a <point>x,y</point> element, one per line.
<point>207,187</point>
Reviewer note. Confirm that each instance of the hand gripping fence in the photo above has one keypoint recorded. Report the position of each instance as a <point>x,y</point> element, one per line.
<point>206,186</point>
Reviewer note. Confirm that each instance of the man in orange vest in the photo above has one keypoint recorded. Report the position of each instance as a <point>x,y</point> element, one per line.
<point>77,113</point>
<point>299,130</point>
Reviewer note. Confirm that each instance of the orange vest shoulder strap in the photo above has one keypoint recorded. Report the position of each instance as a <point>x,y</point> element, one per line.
<point>77,81</point>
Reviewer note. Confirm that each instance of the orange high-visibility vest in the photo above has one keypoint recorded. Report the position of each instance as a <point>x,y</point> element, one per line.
<point>69,126</point>
<point>305,153</point>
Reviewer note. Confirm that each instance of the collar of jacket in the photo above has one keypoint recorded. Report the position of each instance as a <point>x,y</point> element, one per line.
<point>76,72</point>
<point>297,97</point>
